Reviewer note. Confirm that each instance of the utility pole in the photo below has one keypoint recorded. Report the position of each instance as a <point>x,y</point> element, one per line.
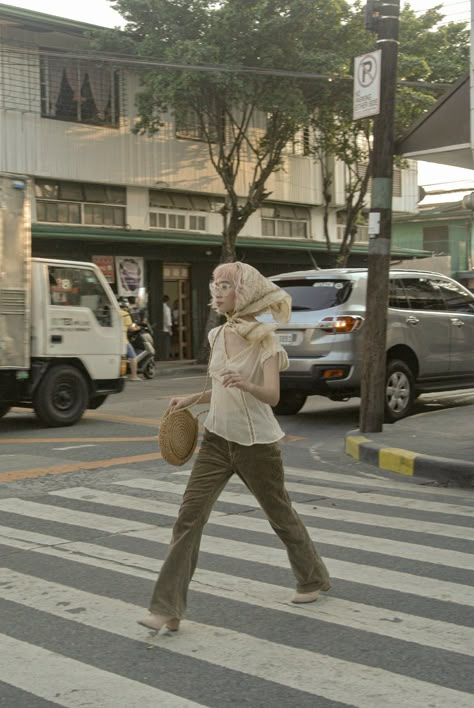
<point>385,20</point>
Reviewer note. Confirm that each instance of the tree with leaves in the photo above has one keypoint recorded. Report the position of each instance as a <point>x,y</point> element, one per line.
<point>431,55</point>
<point>246,119</point>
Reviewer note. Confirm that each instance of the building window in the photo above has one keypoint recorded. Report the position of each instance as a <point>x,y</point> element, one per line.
<point>79,91</point>
<point>171,210</point>
<point>282,221</point>
<point>78,203</point>
<point>397,182</point>
<point>189,127</point>
<point>178,200</point>
<point>300,144</point>
<point>197,223</point>
<point>362,234</point>
<point>436,239</point>
<point>174,221</point>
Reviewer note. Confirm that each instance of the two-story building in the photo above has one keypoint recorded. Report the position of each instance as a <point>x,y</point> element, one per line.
<point>146,209</point>
<point>444,135</point>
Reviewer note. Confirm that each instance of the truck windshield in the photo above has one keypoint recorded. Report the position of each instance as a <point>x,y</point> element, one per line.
<point>309,294</point>
<point>72,286</point>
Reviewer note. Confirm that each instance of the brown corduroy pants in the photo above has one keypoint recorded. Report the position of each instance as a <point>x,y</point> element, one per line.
<point>260,468</point>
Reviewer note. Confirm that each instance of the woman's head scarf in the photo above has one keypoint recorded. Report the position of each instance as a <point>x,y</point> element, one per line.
<point>256,295</point>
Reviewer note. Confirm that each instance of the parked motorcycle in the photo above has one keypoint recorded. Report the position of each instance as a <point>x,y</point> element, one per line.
<point>141,339</point>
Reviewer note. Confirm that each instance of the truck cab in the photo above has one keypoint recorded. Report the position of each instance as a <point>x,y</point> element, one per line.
<point>62,347</point>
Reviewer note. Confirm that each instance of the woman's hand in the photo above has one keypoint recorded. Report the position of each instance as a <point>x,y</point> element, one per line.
<point>184,401</point>
<point>268,393</point>
<point>234,379</point>
<point>177,403</point>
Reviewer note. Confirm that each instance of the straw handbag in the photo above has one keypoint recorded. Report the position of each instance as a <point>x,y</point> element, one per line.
<point>179,430</point>
<point>178,436</point>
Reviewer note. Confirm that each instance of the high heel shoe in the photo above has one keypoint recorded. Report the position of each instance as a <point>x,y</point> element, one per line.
<point>303,597</point>
<point>173,624</point>
<point>156,622</point>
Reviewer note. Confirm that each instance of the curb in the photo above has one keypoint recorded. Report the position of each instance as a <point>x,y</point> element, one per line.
<point>170,370</point>
<point>406,462</point>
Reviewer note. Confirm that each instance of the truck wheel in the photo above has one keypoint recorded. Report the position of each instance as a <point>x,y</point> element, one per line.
<point>149,369</point>
<point>4,408</point>
<point>61,397</point>
<point>290,403</point>
<point>399,391</point>
<point>96,402</point>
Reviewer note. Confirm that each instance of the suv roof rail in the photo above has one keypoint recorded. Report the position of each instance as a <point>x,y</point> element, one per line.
<point>347,271</point>
<point>419,270</point>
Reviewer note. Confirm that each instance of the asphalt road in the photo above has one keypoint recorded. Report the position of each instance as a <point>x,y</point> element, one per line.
<point>85,518</point>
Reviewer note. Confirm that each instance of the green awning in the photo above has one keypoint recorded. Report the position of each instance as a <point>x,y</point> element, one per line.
<point>186,238</point>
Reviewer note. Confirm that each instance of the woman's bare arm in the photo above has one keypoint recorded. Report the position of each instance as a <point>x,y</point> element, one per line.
<point>184,401</point>
<point>268,393</point>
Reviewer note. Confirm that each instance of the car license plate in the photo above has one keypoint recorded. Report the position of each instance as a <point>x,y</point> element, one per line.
<point>286,337</point>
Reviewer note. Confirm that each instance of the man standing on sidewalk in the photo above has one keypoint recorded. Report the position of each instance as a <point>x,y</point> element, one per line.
<point>167,327</point>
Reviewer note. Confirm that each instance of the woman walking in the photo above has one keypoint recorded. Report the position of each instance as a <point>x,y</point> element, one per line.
<point>241,437</point>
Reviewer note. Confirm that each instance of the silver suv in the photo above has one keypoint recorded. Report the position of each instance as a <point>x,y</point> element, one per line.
<point>430,337</point>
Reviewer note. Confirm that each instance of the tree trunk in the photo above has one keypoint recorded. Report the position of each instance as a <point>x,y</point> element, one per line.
<point>228,255</point>
<point>326,180</point>
<point>346,246</point>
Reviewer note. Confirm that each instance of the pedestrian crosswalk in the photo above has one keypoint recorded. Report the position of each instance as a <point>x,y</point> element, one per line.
<point>397,629</point>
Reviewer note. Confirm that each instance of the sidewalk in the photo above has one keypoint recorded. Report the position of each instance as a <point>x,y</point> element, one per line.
<point>175,367</point>
<point>438,445</point>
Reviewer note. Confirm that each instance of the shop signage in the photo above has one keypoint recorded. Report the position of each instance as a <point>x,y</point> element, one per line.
<point>107,266</point>
<point>130,275</point>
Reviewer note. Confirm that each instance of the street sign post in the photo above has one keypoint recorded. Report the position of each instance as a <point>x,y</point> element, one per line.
<point>374,358</point>
<point>367,72</point>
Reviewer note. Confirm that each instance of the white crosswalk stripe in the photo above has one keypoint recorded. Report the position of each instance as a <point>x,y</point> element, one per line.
<point>298,668</point>
<point>441,635</point>
<point>403,502</point>
<point>410,605</point>
<point>71,677</point>
<point>375,545</point>
<point>375,576</point>
<point>321,512</point>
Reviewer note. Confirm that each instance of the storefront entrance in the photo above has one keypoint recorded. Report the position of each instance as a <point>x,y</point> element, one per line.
<point>177,285</point>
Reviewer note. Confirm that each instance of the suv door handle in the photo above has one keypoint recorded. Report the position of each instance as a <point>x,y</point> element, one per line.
<point>457,322</point>
<point>412,320</point>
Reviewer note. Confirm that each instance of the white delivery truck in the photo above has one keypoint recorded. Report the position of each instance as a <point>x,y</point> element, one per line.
<point>62,348</point>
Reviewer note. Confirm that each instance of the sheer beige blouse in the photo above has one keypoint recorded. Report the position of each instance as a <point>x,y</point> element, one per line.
<point>236,415</point>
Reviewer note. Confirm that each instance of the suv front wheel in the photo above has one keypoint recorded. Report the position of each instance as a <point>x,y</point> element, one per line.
<point>399,391</point>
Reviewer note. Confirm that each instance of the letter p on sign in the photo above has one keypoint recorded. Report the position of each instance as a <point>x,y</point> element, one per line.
<point>367,85</point>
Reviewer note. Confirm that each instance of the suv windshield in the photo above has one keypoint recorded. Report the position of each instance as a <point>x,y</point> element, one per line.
<point>309,294</point>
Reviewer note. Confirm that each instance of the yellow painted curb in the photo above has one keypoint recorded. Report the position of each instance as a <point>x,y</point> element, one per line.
<point>397,460</point>
<point>353,443</point>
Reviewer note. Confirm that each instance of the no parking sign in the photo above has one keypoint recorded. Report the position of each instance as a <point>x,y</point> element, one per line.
<point>367,69</point>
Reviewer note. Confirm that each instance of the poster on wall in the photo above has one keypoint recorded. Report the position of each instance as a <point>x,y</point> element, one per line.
<point>106,264</point>
<point>130,275</point>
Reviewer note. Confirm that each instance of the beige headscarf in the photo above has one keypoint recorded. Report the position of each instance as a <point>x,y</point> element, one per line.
<point>256,295</point>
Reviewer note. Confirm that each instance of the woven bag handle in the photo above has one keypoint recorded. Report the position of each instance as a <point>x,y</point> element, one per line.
<point>168,412</point>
